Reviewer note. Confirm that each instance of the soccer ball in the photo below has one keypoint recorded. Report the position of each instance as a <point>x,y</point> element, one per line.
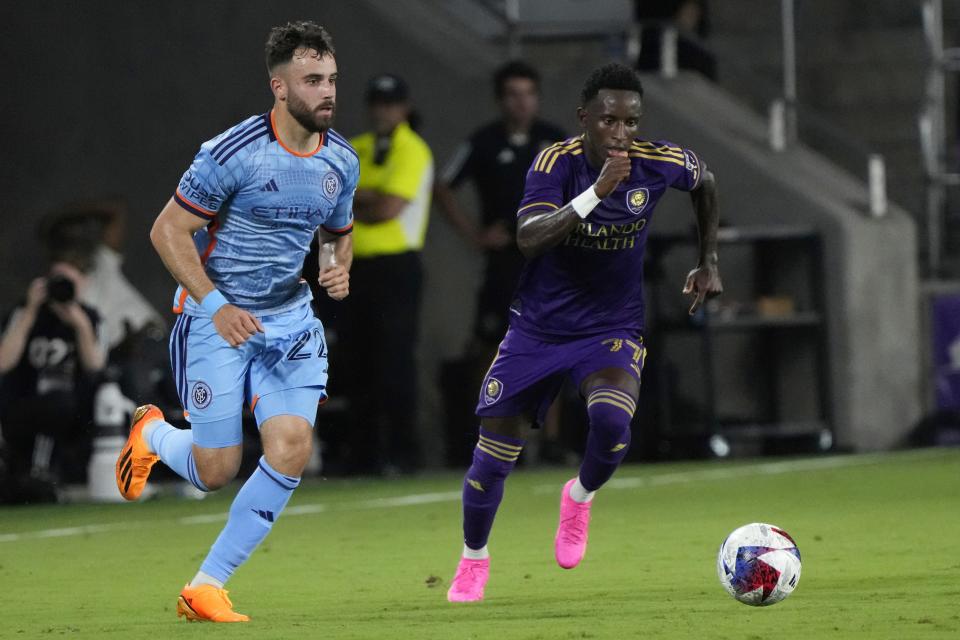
<point>759,564</point>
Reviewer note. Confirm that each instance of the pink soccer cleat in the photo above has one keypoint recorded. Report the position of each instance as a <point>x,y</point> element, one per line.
<point>471,578</point>
<point>571,541</point>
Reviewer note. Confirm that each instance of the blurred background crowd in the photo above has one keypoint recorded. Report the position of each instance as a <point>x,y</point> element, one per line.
<point>831,127</point>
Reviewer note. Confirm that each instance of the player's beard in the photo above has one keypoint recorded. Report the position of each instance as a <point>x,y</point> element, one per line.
<point>309,118</point>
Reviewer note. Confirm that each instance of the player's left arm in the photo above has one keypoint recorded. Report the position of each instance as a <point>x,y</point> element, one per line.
<point>542,230</point>
<point>704,281</point>
<point>336,257</point>
<point>336,240</point>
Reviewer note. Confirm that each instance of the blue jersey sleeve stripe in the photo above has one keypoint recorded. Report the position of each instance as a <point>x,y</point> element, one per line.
<point>230,137</point>
<point>348,148</point>
<point>333,134</point>
<point>233,135</point>
<point>241,142</point>
<point>223,160</point>
<point>336,137</point>
<point>238,141</point>
<point>192,208</point>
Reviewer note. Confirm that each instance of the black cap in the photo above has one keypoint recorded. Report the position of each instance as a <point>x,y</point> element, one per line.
<point>387,88</point>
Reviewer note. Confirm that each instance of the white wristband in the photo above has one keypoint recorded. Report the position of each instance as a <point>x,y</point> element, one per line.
<point>586,202</point>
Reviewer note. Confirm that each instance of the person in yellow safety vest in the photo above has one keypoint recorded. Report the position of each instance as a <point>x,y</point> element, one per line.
<point>391,208</point>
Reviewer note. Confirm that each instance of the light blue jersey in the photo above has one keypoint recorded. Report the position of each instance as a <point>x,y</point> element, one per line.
<point>264,203</point>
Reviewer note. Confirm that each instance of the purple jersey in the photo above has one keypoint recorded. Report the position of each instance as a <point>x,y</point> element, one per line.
<point>593,282</point>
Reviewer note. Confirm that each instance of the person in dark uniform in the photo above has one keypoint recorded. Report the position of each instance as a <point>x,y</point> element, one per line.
<point>495,158</point>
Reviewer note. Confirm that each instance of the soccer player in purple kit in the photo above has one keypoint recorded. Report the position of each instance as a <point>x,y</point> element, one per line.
<point>578,308</point>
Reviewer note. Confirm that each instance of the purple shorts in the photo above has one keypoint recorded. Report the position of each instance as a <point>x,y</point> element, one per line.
<point>527,373</point>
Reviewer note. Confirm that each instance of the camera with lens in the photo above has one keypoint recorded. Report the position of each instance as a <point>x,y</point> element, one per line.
<point>60,289</point>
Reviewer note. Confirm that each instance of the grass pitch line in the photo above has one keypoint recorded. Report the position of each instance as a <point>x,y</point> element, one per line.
<point>210,518</point>
<point>761,469</point>
<point>416,499</point>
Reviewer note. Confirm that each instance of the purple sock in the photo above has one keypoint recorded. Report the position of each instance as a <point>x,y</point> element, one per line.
<point>493,459</point>
<point>610,411</point>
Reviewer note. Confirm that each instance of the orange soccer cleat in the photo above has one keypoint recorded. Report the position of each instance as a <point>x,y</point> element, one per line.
<point>135,461</point>
<point>207,603</point>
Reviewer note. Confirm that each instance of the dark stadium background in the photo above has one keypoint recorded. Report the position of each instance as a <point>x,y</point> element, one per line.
<point>114,97</point>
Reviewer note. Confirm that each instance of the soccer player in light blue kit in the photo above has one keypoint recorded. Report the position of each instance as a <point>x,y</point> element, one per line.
<point>234,236</point>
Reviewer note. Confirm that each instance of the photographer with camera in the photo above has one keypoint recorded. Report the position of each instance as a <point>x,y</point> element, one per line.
<point>50,360</point>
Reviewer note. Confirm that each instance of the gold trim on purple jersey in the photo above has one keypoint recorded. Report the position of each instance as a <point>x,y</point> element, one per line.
<point>643,149</point>
<point>545,161</point>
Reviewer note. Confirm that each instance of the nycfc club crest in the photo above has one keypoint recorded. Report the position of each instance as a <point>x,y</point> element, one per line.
<point>492,391</point>
<point>637,199</point>
<point>331,184</point>
<point>201,395</point>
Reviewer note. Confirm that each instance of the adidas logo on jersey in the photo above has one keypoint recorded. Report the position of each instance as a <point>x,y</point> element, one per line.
<point>270,186</point>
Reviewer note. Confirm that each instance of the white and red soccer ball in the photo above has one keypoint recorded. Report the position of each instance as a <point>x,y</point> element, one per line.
<point>759,564</point>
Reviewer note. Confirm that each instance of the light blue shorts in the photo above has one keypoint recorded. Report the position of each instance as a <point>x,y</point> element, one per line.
<point>280,372</point>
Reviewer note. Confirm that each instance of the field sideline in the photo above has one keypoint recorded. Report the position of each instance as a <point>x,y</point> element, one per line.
<point>879,535</point>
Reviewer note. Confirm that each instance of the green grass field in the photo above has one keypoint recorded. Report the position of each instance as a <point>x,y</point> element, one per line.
<point>880,538</point>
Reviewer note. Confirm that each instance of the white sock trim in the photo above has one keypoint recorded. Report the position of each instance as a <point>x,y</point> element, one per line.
<point>203,578</point>
<point>578,493</point>
<point>475,554</point>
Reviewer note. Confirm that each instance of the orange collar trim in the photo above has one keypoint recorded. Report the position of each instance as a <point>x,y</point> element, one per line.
<point>276,136</point>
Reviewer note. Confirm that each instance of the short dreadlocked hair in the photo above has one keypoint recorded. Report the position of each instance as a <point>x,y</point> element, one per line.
<point>610,76</point>
<point>283,42</point>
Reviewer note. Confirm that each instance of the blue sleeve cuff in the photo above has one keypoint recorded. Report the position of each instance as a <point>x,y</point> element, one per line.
<point>212,302</point>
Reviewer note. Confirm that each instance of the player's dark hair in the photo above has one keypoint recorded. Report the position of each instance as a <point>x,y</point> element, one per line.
<point>283,41</point>
<point>610,76</point>
<point>513,69</point>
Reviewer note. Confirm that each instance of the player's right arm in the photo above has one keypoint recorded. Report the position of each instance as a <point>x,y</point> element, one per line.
<point>538,232</point>
<point>460,168</point>
<point>455,214</point>
<point>172,237</point>
<point>14,340</point>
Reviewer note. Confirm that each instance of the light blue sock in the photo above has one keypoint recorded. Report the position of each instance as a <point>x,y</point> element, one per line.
<point>175,448</point>
<point>256,507</point>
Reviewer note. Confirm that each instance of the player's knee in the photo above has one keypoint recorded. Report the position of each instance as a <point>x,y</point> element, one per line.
<point>611,412</point>
<point>215,477</point>
<point>612,431</point>
<point>494,457</point>
<point>288,449</point>
<point>216,467</point>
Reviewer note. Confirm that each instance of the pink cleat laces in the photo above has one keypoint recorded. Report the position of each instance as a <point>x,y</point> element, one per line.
<point>469,581</point>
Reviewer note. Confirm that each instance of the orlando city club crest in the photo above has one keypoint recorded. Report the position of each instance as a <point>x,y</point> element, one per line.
<point>637,199</point>
<point>692,165</point>
<point>331,184</point>
<point>492,391</point>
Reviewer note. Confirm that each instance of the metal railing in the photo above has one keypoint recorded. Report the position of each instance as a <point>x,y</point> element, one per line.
<point>933,136</point>
<point>789,120</point>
